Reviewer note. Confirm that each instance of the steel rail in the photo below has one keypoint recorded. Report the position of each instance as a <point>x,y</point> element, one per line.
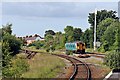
<point>87,68</point>
<point>72,77</point>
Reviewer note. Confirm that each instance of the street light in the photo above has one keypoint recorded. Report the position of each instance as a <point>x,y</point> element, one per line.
<point>95,30</point>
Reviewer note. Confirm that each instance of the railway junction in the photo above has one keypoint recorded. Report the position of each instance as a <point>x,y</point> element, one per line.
<point>79,68</point>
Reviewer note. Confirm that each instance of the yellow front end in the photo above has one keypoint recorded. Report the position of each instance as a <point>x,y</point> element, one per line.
<point>81,46</point>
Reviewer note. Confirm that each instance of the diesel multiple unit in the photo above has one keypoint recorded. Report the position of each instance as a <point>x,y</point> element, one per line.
<point>75,47</point>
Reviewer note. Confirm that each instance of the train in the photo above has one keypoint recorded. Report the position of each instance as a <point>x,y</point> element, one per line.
<point>75,47</point>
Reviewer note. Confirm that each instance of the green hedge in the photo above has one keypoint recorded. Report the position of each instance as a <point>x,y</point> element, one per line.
<point>112,59</point>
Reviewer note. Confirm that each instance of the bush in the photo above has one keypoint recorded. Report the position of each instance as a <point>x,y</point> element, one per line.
<point>104,47</point>
<point>48,49</point>
<point>51,48</point>
<point>13,42</point>
<point>16,69</point>
<point>112,60</point>
<point>69,52</point>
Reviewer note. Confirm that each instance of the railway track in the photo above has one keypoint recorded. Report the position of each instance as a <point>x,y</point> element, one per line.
<point>80,69</point>
<point>30,54</point>
<point>98,55</point>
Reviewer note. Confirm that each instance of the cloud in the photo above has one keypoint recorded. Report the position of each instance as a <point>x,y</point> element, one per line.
<point>60,0</point>
<point>41,9</point>
<point>52,9</point>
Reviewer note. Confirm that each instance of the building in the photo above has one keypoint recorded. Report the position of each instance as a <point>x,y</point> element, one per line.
<point>31,39</point>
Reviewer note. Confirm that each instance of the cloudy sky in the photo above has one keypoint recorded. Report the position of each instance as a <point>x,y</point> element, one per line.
<point>37,17</point>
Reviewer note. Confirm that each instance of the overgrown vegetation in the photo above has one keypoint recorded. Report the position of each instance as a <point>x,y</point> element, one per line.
<point>44,66</point>
<point>110,36</point>
<point>112,60</point>
<point>17,67</point>
<point>10,47</point>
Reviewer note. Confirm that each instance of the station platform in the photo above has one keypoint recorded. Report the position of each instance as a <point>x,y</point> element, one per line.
<point>113,76</point>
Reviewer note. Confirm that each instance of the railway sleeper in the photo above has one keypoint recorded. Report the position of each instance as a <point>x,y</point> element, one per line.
<point>83,64</point>
<point>31,55</point>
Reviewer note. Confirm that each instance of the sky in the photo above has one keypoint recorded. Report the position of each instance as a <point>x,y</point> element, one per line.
<point>30,18</point>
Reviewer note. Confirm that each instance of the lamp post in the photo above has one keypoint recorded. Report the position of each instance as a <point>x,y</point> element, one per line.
<point>95,30</point>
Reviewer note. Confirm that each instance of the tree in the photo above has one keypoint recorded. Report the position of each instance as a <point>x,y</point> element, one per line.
<point>6,29</point>
<point>30,36</point>
<point>77,34</point>
<point>49,32</point>
<point>36,35</point>
<point>63,40</point>
<point>112,59</point>
<point>108,38</point>
<point>116,45</point>
<point>102,26</point>
<point>49,42</point>
<point>14,43</point>
<point>105,46</point>
<point>87,37</point>
<point>101,15</point>
<point>49,38</point>
<point>57,37</point>
<point>59,40</point>
<point>26,36</point>
<point>6,57</point>
<point>10,47</point>
<point>69,33</point>
<point>38,44</point>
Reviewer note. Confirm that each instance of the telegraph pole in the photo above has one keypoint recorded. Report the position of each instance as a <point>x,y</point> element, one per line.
<point>119,10</point>
<point>95,30</point>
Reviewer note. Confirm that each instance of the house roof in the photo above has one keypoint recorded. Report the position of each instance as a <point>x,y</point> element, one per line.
<point>32,38</point>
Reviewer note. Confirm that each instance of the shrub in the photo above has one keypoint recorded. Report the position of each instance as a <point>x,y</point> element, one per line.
<point>13,42</point>
<point>112,59</point>
<point>48,49</point>
<point>16,69</point>
<point>51,48</point>
<point>69,52</point>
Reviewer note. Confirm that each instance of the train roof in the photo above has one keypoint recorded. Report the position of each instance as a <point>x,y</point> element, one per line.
<point>76,42</point>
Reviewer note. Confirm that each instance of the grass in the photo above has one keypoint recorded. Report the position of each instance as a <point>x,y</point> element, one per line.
<point>94,61</point>
<point>34,49</point>
<point>47,66</point>
<point>105,69</point>
<point>89,50</point>
<point>92,50</point>
<point>44,66</point>
<point>44,51</point>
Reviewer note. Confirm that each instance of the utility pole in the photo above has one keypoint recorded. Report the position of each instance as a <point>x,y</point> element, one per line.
<point>95,30</point>
<point>119,10</point>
